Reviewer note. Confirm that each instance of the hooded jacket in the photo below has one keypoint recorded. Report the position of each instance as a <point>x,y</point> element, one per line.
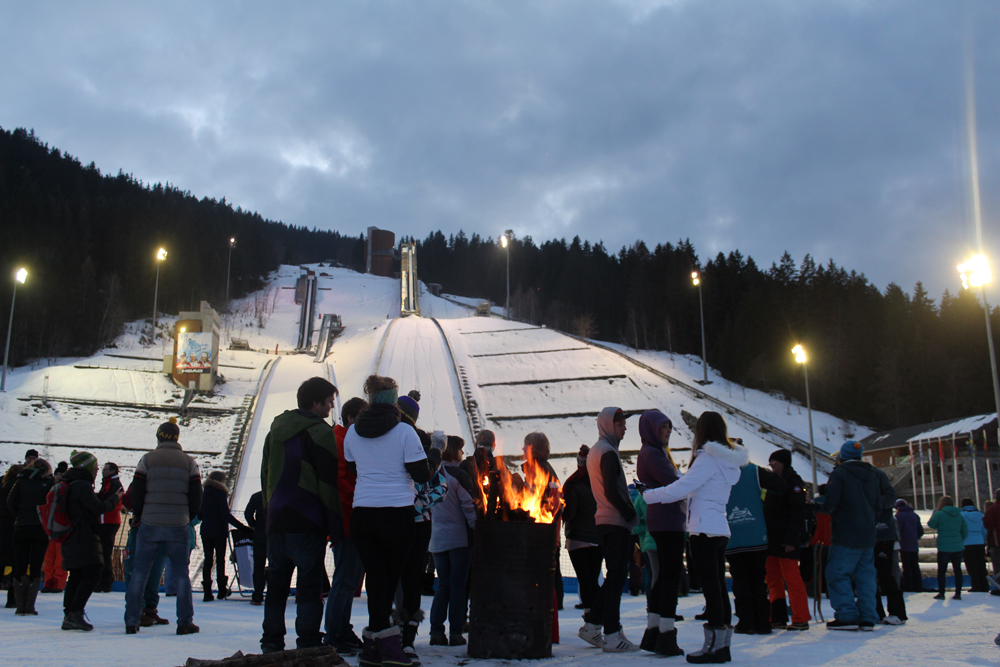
<point>607,477</point>
<point>910,529</point>
<point>786,516</point>
<point>856,494</point>
<point>580,508</point>
<point>951,529</point>
<point>27,494</point>
<point>298,476</point>
<point>716,468</point>
<point>977,533</point>
<point>654,470</point>
<point>215,512</point>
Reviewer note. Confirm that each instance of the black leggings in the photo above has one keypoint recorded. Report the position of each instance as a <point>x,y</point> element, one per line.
<point>383,536</point>
<point>587,565</point>
<point>30,543</point>
<point>670,553</point>
<point>80,585</point>
<point>412,576</point>
<point>215,551</point>
<point>955,558</point>
<point>709,562</point>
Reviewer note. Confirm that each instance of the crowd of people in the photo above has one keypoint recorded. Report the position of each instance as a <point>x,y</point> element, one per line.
<point>390,499</point>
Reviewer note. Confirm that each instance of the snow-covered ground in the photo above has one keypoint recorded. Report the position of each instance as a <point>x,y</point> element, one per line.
<point>523,378</point>
<point>941,633</point>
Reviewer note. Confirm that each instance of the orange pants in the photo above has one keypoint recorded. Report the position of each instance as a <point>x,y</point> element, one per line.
<point>784,573</point>
<point>55,575</point>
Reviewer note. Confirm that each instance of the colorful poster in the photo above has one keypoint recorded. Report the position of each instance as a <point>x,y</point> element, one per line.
<point>194,353</point>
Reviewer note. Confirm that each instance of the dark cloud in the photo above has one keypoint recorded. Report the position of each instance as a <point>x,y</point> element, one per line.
<point>830,128</point>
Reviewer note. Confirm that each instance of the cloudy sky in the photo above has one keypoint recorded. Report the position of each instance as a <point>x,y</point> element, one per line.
<point>830,127</point>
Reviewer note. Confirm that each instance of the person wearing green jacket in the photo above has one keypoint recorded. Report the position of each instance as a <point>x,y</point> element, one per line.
<point>952,530</point>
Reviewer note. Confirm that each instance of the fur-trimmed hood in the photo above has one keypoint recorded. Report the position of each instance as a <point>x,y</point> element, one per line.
<point>735,457</point>
<point>215,484</point>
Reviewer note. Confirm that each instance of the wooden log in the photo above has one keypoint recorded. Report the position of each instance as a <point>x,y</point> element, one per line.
<point>320,656</point>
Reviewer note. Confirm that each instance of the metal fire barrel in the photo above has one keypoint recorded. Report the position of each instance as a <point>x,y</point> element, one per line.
<point>513,590</point>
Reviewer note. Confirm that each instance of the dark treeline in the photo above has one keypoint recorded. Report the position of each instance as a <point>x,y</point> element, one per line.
<point>883,358</point>
<point>89,244</point>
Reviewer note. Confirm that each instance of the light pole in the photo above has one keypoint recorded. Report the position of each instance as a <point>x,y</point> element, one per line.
<point>976,273</point>
<point>696,279</point>
<point>800,356</point>
<point>161,255</point>
<point>505,242</point>
<point>229,264</point>
<point>19,277</point>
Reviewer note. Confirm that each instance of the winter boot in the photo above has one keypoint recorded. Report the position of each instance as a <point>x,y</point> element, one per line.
<point>666,644</point>
<point>390,649</point>
<point>30,595</point>
<point>779,614</point>
<point>369,651</point>
<point>223,588</point>
<point>150,618</point>
<point>712,652</point>
<point>410,626</point>
<point>75,620</point>
<point>648,642</point>
<point>20,589</point>
<point>207,585</point>
<point>11,599</point>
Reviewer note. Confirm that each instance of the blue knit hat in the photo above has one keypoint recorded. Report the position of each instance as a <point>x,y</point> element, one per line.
<point>851,451</point>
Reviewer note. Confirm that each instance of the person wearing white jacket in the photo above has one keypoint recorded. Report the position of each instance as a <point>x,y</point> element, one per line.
<point>714,469</point>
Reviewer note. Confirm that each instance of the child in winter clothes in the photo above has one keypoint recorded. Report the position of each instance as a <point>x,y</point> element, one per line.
<point>910,532</point>
<point>952,530</point>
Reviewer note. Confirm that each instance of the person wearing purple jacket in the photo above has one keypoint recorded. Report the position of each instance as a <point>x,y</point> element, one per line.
<point>665,523</point>
<point>910,532</point>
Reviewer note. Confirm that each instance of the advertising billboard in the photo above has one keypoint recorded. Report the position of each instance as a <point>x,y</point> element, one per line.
<point>194,353</point>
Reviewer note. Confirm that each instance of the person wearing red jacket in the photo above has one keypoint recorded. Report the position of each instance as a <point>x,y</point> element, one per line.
<point>109,524</point>
<point>991,522</point>
<point>349,571</point>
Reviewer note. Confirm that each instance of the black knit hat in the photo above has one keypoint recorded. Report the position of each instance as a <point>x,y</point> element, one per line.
<point>782,456</point>
<point>168,431</point>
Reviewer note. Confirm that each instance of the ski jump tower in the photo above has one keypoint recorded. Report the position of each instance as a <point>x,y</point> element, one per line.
<point>409,291</point>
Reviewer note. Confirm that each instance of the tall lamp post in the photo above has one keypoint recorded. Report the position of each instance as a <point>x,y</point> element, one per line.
<point>229,264</point>
<point>161,255</point>
<point>505,242</point>
<point>19,277</point>
<point>976,273</point>
<point>696,279</point>
<point>800,356</point>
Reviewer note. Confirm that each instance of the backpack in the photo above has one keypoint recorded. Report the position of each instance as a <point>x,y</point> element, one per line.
<point>54,514</point>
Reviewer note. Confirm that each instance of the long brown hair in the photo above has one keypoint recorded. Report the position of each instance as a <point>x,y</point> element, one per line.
<point>945,502</point>
<point>711,427</point>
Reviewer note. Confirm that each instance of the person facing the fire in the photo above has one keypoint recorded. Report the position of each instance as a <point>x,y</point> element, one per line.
<point>714,470</point>
<point>615,519</point>
<point>482,470</point>
<point>387,457</point>
<point>581,531</point>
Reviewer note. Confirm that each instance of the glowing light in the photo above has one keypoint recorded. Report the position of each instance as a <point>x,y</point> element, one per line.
<point>975,272</point>
<point>21,275</point>
<point>538,494</point>
<point>800,354</point>
<point>694,277</point>
<point>503,241</point>
<point>232,241</point>
<point>183,329</point>
<point>161,254</point>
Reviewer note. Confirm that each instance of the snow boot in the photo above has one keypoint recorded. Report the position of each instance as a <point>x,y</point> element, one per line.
<point>648,642</point>
<point>30,595</point>
<point>150,618</point>
<point>223,588</point>
<point>207,585</point>
<point>409,633</point>
<point>20,589</point>
<point>369,651</point>
<point>712,652</point>
<point>666,644</point>
<point>390,649</point>
<point>11,600</point>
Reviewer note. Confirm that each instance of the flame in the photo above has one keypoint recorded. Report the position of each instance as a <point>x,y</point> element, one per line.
<point>538,493</point>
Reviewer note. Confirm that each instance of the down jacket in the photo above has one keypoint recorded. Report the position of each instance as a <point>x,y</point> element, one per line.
<point>707,483</point>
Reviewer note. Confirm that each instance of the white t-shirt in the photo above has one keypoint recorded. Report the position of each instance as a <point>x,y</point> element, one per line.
<point>382,477</point>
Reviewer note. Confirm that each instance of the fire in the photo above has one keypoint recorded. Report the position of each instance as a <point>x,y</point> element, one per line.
<point>538,493</point>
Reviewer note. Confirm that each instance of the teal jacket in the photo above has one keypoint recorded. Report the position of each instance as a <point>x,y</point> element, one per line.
<point>951,529</point>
